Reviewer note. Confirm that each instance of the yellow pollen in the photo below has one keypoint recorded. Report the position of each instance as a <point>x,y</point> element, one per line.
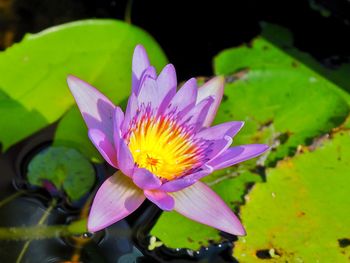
<point>162,147</point>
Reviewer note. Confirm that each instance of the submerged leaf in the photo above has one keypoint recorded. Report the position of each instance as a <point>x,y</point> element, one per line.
<point>66,169</point>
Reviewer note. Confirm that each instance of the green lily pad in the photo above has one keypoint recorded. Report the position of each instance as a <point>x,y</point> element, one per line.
<point>277,93</point>
<point>65,168</point>
<point>284,104</point>
<point>301,214</point>
<point>15,117</point>
<point>98,51</point>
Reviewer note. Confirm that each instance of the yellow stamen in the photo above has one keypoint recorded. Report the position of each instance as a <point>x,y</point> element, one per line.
<point>163,147</point>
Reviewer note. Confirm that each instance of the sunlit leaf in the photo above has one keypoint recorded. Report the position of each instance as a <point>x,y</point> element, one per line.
<point>34,71</point>
<point>302,211</point>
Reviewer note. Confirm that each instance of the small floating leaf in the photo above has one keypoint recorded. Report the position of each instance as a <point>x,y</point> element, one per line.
<point>66,169</point>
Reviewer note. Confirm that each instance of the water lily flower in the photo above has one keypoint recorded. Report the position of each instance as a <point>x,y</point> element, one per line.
<point>162,146</point>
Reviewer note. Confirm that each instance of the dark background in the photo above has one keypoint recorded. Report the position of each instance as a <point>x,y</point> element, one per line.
<point>193,32</point>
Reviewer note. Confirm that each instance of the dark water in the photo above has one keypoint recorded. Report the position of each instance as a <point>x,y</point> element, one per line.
<point>193,33</point>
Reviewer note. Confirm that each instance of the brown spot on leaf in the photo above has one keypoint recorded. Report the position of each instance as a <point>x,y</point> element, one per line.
<point>300,214</point>
<point>295,64</point>
<point>239,74</point>
<point>263,254</point>
<point>283,137</point>
<point>318,142</point>
<point>268,253</point>
<point>265,124</point>
<point>344,242</point>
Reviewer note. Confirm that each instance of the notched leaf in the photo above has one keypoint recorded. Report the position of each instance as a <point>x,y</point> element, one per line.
<point>62,169</point>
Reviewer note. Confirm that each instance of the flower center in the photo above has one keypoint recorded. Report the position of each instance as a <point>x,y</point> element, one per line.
<point>163,147</point>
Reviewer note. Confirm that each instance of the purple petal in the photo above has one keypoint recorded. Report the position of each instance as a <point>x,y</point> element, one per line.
<point>149,93</point>
<point>115,199</point>
<point>177,184</point>
<point>145,179</point>
<point>196,116</point>
<point>167,81</point>
<point>150,72</point>
<point>199,203</point>
<point>218,147</point>
<point>215,88</point>
<point>186,181</point>
<point>125,160</point>
<point>130,112</point>
<point>96,109</point>
<point>140,63</point>
<point>104,146</point>
<point>186,97</point>
<point>220,131</point>
<point>163,200</point>
<point>118,120</point>
<point>237,154</point>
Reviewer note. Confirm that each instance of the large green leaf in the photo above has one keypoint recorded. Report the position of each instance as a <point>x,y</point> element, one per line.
<point>283,103</point>
<point>34,71</point>
<point>277,93</point>
<point>14,117</point>
<point>301,214</point>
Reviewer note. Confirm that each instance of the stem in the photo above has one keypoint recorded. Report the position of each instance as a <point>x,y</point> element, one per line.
<point>40,223</point>
<point>128,9</point>
<point>10,198</point>
<point>79,242</point>
<point>41,232</point>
